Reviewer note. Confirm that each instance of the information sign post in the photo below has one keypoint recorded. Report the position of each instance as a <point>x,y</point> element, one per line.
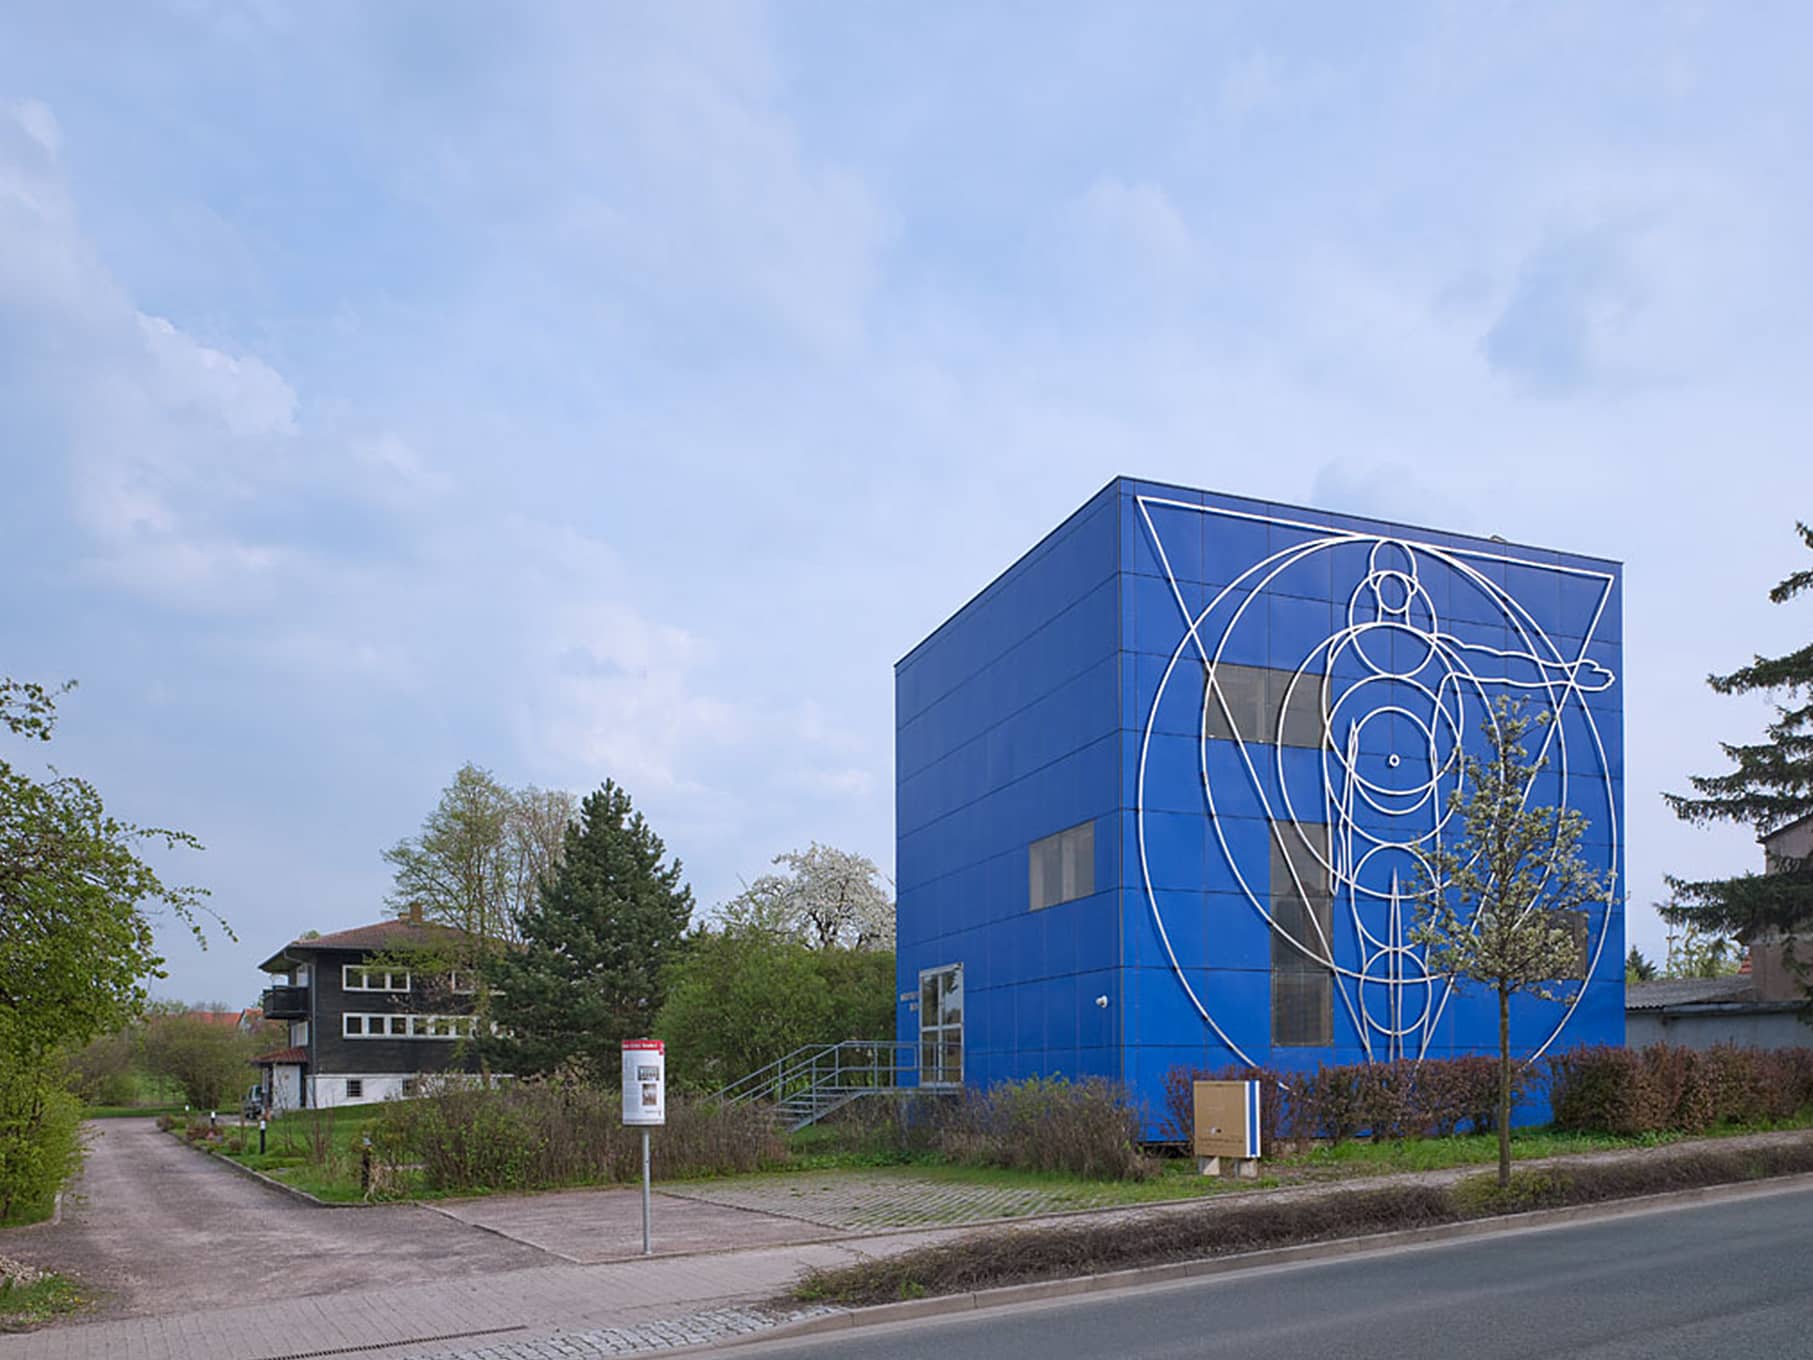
<point>644,1107</point>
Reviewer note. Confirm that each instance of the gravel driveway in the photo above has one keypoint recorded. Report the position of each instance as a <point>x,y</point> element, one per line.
<point>156,1227</point>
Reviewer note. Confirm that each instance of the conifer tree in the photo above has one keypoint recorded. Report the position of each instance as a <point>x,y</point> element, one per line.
<point>587,971</point>
<point>1769,787</point>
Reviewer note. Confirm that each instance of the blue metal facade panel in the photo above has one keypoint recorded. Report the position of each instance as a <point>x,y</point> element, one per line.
<point>1074,688</point>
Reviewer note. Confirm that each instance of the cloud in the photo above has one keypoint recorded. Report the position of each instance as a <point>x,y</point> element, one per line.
<point>1558,330</point>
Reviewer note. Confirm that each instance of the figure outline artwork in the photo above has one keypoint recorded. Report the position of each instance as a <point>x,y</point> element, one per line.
<point>1396,687</point>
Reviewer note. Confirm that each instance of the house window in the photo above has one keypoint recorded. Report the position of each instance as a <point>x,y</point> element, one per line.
<point>462,984</point>
<point>364,1025</point>
<point>299,1034</point>
<point>355,1088</point>
<point>1301,907</point>
<point>356,979</point>
<point>1256,703</point>
<point>1061,868</point>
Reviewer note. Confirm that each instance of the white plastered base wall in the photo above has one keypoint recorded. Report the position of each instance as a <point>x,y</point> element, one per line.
<point>326,1092</point>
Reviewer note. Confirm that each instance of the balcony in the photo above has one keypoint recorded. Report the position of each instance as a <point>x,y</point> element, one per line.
<point>285,1003</point>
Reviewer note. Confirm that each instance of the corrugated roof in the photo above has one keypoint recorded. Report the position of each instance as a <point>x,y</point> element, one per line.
<point>283,1055</point>
<point>1655,996</point>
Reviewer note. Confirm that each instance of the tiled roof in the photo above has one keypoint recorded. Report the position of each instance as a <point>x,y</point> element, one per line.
<point>283,1055</point>
<point>1655,996</point>
<point>392,934</point>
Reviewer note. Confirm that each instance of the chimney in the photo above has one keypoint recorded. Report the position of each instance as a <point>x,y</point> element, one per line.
<point>415,914</point>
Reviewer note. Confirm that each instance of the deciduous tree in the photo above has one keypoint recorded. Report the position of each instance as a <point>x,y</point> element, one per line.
<point>1495,906</point>
<point>824,896</point>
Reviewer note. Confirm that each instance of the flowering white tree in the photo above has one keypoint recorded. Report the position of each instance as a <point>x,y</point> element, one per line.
<point>1500,906</point>
<point>826,897</point>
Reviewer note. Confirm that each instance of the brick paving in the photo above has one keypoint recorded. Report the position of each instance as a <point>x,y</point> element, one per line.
<point>858,1201</point>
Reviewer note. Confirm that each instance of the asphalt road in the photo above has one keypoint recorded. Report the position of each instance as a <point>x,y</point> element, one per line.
<point>1731,1279</point>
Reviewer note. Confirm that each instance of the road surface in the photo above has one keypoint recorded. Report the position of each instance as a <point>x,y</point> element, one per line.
<point>1726,1279</point>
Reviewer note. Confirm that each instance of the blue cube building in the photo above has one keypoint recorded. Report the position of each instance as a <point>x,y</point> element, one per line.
<point>1165,784</point>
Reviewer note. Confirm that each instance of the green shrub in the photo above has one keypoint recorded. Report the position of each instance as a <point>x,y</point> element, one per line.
<point>1083,1128</point>
<point>561,1131</point>
<point>40,1145</point>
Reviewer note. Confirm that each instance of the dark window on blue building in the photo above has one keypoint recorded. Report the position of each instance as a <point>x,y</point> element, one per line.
<point>1302,912</point>
<point>1061,868</point>
<point>1256,703</point>
<point>1577,927</point>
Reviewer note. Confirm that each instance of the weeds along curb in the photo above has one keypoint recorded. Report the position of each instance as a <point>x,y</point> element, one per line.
<point>1176,1272</point>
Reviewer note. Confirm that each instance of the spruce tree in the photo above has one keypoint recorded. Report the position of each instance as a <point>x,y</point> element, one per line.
<point>1769,787</point>
<point>587,973</point>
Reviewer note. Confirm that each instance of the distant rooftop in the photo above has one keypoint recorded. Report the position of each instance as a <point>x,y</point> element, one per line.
<point>1671,992</point>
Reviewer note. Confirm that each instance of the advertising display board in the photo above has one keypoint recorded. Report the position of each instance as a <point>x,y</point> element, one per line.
<point>644,1082</point>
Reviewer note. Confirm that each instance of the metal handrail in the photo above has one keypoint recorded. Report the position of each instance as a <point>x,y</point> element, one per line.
<point>850,1065</point>
<point>759,1082</point>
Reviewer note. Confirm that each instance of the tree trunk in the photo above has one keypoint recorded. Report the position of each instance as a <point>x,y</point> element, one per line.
<point>1504,1088</point>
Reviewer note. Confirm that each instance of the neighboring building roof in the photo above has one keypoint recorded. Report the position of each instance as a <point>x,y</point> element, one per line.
<point>1672,992</point>
<point>224,1019</point>
<point>283,1055</point>
<point>392,934</point>
<point>1781,831</point>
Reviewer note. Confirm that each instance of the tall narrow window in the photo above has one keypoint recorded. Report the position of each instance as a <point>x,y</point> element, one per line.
<point>941,1026</point>
<point>1580,932</point>
<point>1302,911</point>
<point>1061,868</point>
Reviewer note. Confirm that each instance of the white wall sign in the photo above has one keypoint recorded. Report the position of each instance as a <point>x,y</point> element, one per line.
<point>644,1081</point>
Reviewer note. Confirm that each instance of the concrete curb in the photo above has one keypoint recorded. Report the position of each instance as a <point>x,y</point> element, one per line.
<point>881,1314</point>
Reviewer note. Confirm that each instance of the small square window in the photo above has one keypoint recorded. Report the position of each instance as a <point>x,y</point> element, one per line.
<point>399,1026</point>
<point>355,1026</point>
<point>1061,868</point>
<point>355,1089</point>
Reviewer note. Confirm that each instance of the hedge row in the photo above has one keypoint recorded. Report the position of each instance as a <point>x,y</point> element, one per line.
<point>1613,1090</point>
<point>1667,1089</point>
<point>1404,1099</point>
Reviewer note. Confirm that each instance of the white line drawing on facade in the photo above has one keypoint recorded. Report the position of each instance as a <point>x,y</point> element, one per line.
<point>1404,669</point>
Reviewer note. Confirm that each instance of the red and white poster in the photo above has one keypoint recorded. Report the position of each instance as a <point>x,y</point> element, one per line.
<point>644,1081</point>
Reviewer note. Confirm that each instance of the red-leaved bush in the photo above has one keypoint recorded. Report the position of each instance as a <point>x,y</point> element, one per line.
<point>1663,1088</point>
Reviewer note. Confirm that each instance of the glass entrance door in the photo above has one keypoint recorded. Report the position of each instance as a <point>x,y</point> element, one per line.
<point>941,1026</point>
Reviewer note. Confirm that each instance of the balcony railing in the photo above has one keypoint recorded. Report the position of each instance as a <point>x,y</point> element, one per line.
<point>285,1003</point>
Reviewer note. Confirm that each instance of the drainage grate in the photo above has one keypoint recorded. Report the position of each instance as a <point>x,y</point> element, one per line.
<point>392,1345</point>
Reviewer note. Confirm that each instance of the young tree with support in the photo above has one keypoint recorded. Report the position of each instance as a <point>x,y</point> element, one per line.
<point>1499,907</point>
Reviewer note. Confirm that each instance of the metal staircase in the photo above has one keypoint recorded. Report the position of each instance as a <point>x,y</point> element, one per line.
<point>812,1081</point>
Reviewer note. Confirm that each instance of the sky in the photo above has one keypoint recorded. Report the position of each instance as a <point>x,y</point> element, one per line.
<point>618,391</point>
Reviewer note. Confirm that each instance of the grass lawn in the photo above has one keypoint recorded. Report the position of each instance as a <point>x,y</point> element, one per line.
<point>316,1151</point>
<point>319,1152</point>
<point>24,1306</point>
<point>1481,1149</point>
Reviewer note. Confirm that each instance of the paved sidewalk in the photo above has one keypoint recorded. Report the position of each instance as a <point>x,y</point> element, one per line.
<point>570,1311</point>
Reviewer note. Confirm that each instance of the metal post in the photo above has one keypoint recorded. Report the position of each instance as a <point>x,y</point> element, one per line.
<point>648,1248</point>
<point>261,1137</point>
